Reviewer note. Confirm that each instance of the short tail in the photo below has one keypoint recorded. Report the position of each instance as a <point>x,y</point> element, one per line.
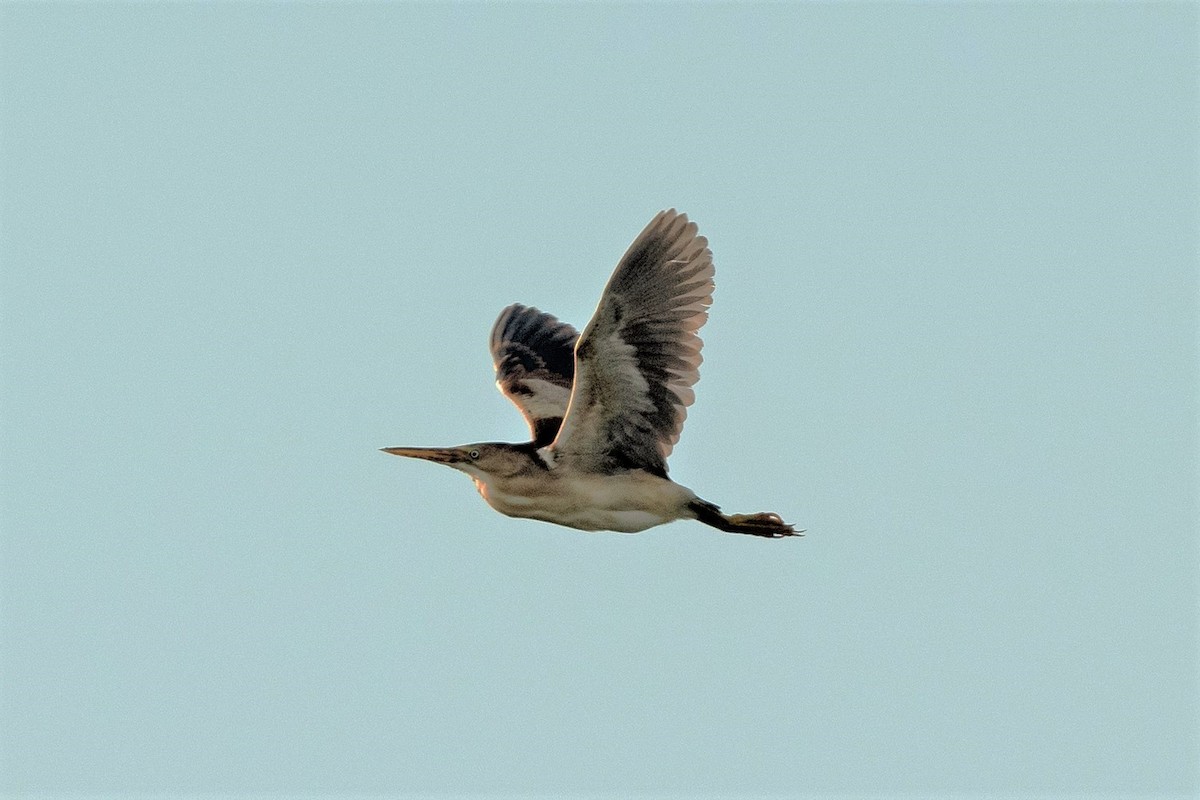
<point>769,525</point>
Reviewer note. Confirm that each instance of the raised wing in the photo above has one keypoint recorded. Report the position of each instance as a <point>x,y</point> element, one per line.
<point>638,358</point>
<point>534,357</point>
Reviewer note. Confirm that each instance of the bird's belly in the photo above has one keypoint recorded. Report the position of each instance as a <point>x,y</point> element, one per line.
<point>627,520</point>
<point>627,503</point>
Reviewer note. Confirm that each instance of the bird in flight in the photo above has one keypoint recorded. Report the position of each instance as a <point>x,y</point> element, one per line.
<point>605,407</point>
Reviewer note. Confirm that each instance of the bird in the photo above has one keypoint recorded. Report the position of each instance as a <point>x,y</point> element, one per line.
<point>605,407</point>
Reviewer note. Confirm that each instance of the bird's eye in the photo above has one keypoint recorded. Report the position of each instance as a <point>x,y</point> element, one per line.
<point>474,454</point>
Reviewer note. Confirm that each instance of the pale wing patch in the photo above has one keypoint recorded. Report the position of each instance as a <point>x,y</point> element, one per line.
<point>538,398</point>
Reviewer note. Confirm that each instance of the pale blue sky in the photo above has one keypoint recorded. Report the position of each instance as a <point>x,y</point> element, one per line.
<point>954,336</point>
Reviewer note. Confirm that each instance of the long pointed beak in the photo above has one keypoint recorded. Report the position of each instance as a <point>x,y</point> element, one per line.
<point>439,455</point>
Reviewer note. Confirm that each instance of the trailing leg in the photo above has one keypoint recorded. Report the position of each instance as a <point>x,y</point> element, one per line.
<point>765,524</point>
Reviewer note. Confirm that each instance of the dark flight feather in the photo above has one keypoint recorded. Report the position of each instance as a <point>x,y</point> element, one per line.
<point>535,366</point>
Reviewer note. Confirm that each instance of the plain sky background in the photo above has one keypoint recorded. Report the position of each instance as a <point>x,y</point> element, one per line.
<point>954,336</point>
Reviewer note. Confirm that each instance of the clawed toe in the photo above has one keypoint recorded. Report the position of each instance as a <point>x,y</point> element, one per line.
<point>764,524</point>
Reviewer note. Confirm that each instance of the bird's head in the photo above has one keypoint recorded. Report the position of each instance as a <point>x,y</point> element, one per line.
<point>480,461</point>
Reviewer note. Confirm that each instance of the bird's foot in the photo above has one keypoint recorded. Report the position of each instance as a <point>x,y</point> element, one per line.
<point>763,524</point>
